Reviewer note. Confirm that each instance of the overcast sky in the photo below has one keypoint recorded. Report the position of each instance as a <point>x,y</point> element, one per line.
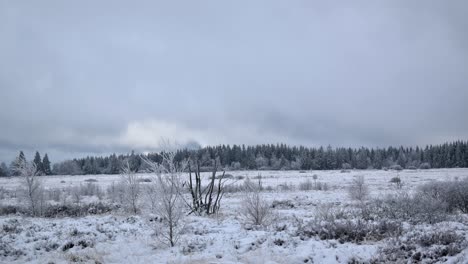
<point>93,77</point>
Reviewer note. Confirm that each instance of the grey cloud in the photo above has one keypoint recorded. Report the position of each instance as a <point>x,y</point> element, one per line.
<point>75,76</point>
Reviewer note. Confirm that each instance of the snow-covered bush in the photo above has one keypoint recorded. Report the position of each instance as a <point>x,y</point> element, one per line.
<point>308,185</point>
<point>282,204</point>
<point>424,166</point>
<point>414,208</point>
<point>350,230</point>
<point>12,209</point>
<point>77,210</point>
<point>396,167</point>
<point>330,213</point>
<point>397,181</point>
<point>453,193</point>
<point>346,166</point>
<point>422,245</point>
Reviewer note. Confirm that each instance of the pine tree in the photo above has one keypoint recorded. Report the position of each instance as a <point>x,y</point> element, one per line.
<point>46,165</point>
<point>37,160</point>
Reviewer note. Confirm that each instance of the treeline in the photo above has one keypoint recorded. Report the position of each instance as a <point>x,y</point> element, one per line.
<point>279,157</point>
<point>283,157</point>
<point>42,165</point>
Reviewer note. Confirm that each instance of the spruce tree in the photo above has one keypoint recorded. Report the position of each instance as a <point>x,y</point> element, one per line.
<point>46,165</point>
<point>37,160</point>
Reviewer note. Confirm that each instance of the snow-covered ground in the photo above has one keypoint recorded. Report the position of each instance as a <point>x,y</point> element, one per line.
<point>223,238</point>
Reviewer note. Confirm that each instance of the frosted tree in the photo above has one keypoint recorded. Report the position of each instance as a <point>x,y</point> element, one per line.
<point>31,183</point>
<point>16,163</point>
<point>166,193</point>
<point>358,190</point>
<point>131,183</point>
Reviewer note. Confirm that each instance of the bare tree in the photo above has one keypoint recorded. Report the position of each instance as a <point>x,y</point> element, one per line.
<point>131,183</point>
<point>254,207</point>
<point>32,184</point>
<point>166,194</point>
<point>358,189</point>
<point>208,199</point>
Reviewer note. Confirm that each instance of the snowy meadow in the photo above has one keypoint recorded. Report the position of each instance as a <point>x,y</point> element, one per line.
<point>339,216</point>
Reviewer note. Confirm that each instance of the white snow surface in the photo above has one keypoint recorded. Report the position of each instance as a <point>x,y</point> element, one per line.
<point>224,238</point>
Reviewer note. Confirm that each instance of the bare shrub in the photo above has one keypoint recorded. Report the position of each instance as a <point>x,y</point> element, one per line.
<point>76,195</point>
<point>150,192</point>
<point>286,187</point>
<point>254,208</point>
<point>233,188</point>
<point>249,184</point>
<point>330,213</point>
<point>205,200</point>
<point>116,192</point>
<point>322,186</point>
<point>54,194</point>
<point>358,189</point>
<point>88,189</point>
<point>306,185</point>
<point>131,184</point>
<point>315,177</point>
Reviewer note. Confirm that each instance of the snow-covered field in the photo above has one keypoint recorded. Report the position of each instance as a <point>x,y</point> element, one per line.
<point>120,237</point>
